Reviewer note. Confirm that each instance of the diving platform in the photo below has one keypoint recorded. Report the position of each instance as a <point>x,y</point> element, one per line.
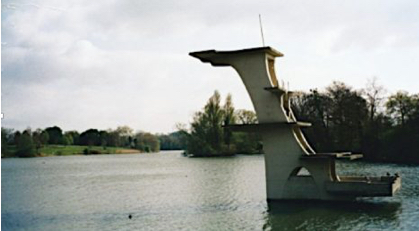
<point>265,126</point>
<point>338,155</point>
<point>293,169</point>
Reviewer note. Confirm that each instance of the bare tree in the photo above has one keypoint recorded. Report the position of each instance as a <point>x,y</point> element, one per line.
<point>374,94</point>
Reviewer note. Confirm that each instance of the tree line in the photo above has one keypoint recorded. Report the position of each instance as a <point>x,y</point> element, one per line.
<point>209,134</point>
<point>343,119</point>
<point>28,143</point>
<point>364,121</point>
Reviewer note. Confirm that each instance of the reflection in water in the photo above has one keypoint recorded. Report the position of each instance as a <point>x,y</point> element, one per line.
<point>316,215</point>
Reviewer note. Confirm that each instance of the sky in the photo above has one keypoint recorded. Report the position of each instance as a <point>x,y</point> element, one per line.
<point>102,64</point>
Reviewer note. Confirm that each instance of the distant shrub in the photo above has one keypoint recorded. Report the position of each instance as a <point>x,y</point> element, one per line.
<point>95,152</point>
<point>147,149</point>
<point>25,146</point>
<point>88,151</point>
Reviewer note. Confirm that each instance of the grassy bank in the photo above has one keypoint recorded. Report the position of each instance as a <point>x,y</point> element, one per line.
<point>65,150</point>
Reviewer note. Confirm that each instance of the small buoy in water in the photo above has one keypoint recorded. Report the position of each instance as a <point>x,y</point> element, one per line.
<point>130,216</point>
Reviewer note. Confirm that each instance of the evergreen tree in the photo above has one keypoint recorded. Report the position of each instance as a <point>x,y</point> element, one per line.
<point>6,136</point>
<point>229,118</point>
<point>206,129</point>
<point>25,145</point>
<point>55,135</point>
<point>90,137</point>
<point>209,138</point>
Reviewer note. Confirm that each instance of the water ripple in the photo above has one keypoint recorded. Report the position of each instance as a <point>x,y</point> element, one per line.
<point>168,192</point>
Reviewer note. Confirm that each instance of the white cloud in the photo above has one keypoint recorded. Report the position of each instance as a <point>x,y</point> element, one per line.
<point>82,64</point>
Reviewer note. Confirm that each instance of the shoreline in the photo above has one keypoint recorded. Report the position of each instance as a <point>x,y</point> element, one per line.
<point>67,150</point>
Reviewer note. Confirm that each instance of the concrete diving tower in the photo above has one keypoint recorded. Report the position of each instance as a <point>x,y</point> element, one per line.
<point>293,169</point>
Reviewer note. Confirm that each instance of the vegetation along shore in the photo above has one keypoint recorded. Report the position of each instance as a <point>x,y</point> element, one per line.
<point>383,128</point>
<point>53,141</point>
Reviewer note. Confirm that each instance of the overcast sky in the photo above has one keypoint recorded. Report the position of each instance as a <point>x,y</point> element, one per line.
<point>100,64</point>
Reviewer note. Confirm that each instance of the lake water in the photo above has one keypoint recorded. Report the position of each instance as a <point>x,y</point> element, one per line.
<point>166,191</point>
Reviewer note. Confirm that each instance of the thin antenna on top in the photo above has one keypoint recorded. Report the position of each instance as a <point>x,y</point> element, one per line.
<point>261,30</point>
